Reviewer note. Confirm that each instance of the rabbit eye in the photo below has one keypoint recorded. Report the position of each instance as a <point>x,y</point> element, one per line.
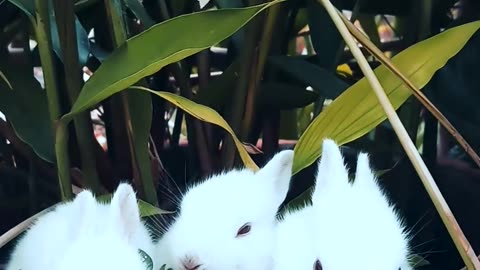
<point>244,229</point>
<point>317,265</point>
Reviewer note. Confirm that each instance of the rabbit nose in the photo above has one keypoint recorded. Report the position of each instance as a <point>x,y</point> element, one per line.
<point>190,263</point>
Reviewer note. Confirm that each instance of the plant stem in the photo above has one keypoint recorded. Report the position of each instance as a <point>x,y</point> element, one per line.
<point>263,52</point>
<point>195,131</point>
<point>244,90</point>
<point>462,244</point>
<point>65,17</point>
<point>142,175</point>
<point>373,50</point>
<point>42,31</point>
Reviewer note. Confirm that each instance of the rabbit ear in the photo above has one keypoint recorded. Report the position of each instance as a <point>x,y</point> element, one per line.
<point>279,171</point>
<point>331,172</point>
<point>125,212</point>
<point>364,175</point>
<point>84,206</point>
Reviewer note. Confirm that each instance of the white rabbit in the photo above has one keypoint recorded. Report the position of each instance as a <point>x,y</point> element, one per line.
<point>228,221</point>
<point>348,226</point>
<point>86,234</point>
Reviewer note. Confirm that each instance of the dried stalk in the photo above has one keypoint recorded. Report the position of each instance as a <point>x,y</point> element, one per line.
<point>375,51</point>
<point>462,244</point>
<point>21,227</point>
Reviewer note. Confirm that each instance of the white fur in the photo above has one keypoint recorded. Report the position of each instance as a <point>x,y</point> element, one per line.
<point>348,226</point>
<point>85,234</point>
<point>212,212</point>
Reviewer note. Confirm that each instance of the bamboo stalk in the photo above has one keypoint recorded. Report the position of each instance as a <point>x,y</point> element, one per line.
<point>270,22</point>
<point>142,177</point>
<point>21,227</point>
<point>42,32</point>
<point>65,18</point>
<point>462,244</point>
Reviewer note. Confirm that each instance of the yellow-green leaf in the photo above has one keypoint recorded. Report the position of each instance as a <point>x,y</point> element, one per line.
<point>5,79</point>
<point>206,114</point>
<point>160,45</point>
<point>357,111</point>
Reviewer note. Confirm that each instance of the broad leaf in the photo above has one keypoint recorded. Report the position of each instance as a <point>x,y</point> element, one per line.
<point>153,49</point>
<point>357,111</point>
<point>28,7</point>
<point>283,96</point>
<point>139,11</point>
<point>320,79</point>
<point>239,37</point>
<point>206,114</point>
<point>21,102</point>
<point>326,39</point>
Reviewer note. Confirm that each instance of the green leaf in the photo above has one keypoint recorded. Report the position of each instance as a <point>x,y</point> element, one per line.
<point>274,95</point>
<point>323,81</point>
<point>141,55</point>
<point>418,261</point>
<point>326,39</point>
<point>206,114</point>
<point>139,11</point>
<point>357,111</point>
<point>239,37</point>
<point>301,20</point>
<point>83,43</point>
<point>140,108</point>
<point>145,208</point>
<point>283,96</point>
<point>27,6</point>
<point>24,103</point>
<point>219,88</point>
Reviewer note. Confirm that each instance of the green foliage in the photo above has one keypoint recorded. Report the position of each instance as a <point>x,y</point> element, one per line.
<point>357,111</point>
<point>22,98</point>
<point>156,79</point>
<point>144,58</point>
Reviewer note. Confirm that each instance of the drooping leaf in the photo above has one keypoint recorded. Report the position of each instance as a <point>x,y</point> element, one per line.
<point>206,114</point>
<point>325,82</point>
<point>357,111</point>
<point>141,55</point>
<point>23,102</point>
